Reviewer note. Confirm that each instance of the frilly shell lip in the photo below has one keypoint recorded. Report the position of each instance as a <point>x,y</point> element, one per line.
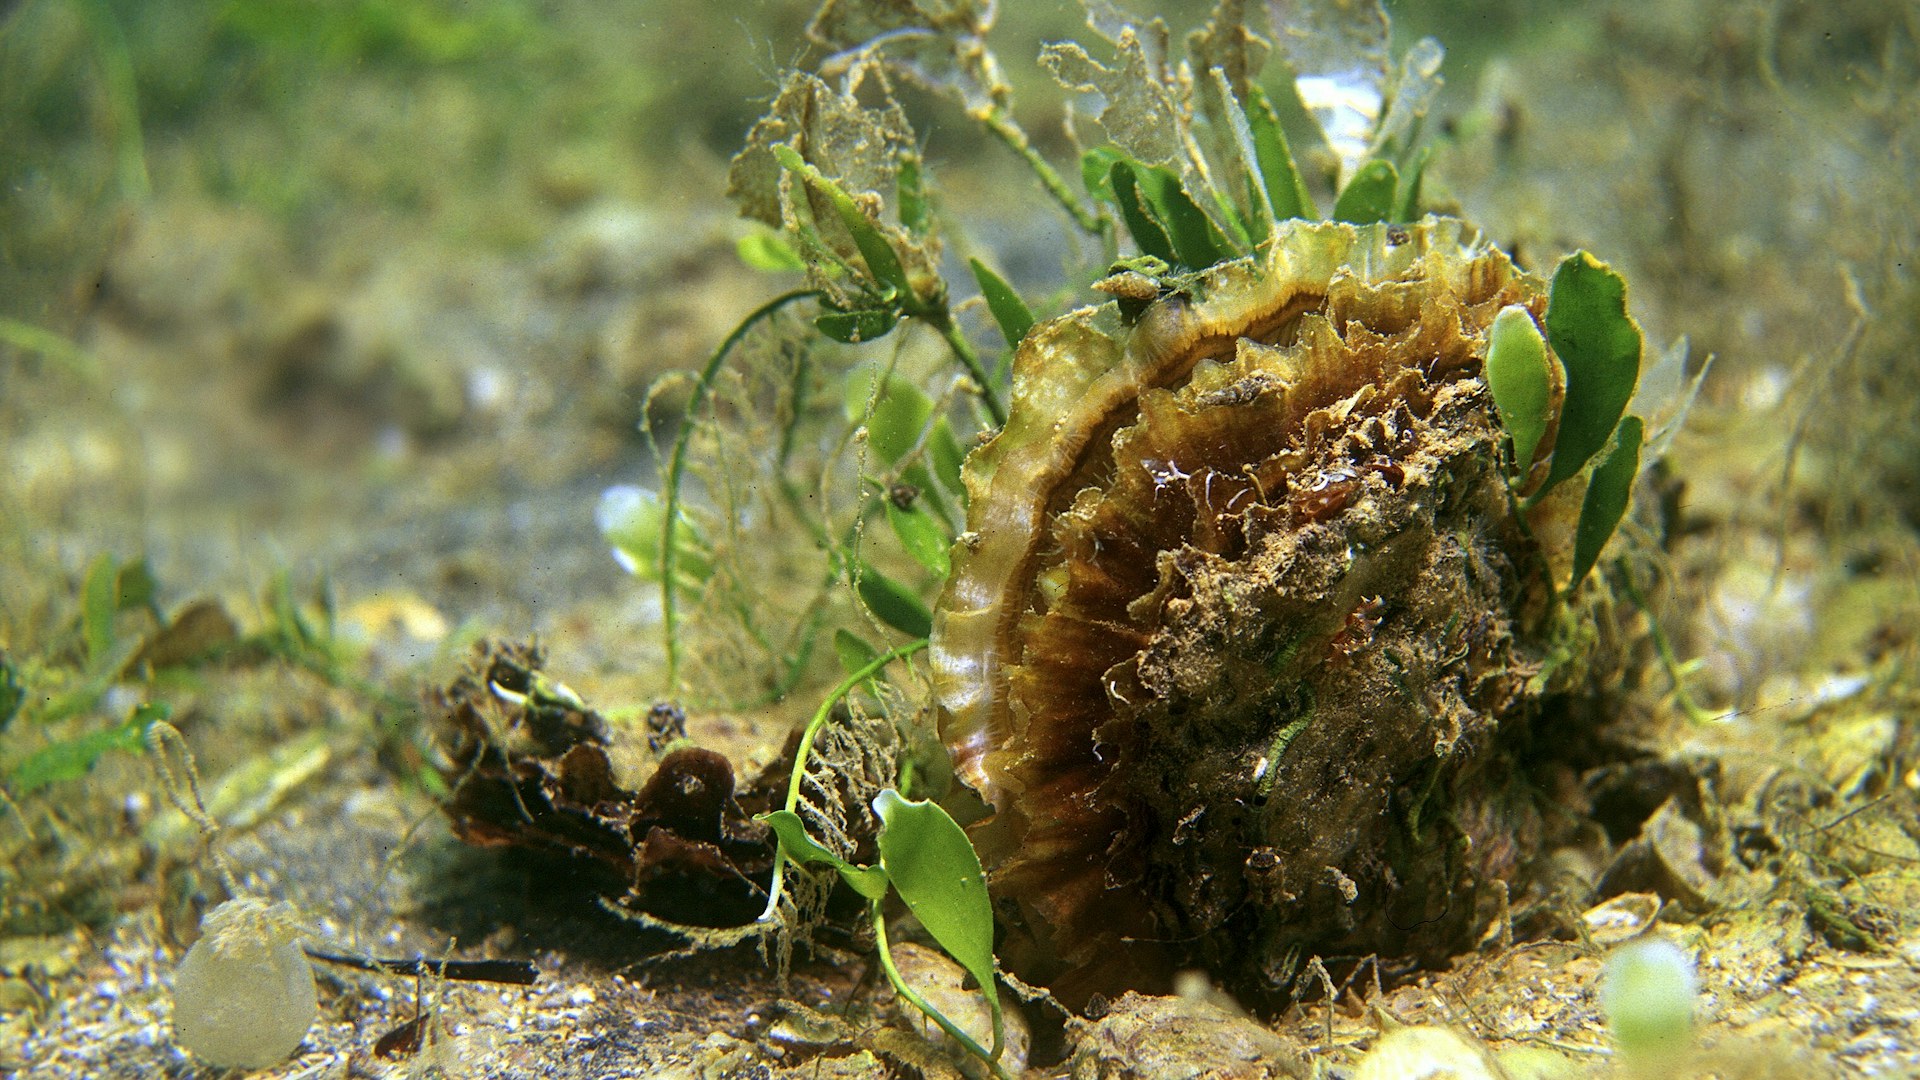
<point>1074,377</point>
<point>1225,448</point>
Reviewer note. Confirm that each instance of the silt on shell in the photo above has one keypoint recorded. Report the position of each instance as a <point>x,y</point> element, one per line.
<point>1236,646</point>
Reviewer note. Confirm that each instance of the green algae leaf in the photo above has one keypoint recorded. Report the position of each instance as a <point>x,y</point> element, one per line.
<point>1407,206</point>
<point>1415,86</point>
<point>29,338</point>
<point>895,413</point>
<point>883,263</point>
<point>923,538</point>
<point>769,252</point>
<point>1649,994</point>
<point>935,870</point>
<point>1143,112</point>
<point>99,602</point>
<point>944,449</point>
<point>1009,311</point>
<point>1096,172</point>
<point>893,603</point>
<point>1598,344</point>
<point>1369,195</point>
<point>854,651</point>
<point>73,758</point>
<point>911,191</point>
<point>856,327</point>
<point>868,881</point>
<point>1255,224</point>
<point>633,521</point>
<point>1286,191</point>
<point>1197,241</point>
<point>1148,235</point>
<point>1606,501</point>
<point>1521,381</point>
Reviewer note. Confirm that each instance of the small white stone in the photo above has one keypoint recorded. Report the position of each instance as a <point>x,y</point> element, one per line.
<point>243,998</point>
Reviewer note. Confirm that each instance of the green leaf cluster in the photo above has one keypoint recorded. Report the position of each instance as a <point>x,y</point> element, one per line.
<point>1596,349</point>
<point>1167,222</point>
<point>928,862</point>
<point>883,294</point>
<point>922,507</point>
<point>631,519</point>
<point>925,859</point>
<point>70,759</point>
<point>46,694</point>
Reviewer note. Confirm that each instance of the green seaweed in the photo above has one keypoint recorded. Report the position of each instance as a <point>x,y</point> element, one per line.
<point>1368,197</point>
<point>1521,380</point>
<point>1608,493</point>
<point>1598,344</point>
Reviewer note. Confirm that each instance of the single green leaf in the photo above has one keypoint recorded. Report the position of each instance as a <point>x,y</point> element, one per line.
<point>1286,190</point>
<point>856,327</point>
<point>1521,381</point>
<point>929,498</point>
<point>71,759</point>
<point>923,538</point>
<point>895,415</point>
<point>912,193</point>
<point>1608,492</point>
<point>99,602</point>
<point>1407,206</point>
<point>868,881</point>
<point>1196,239</point>
<point>1011,312</point>
<point>1369,195</point>
<point>632,520</point>
<point>944,448</point>
<point>63,353</point>
<point>894,604</point>
<point>853,650</point>
<point>883,263</point>
<point>135,587</point>
<point>768,251</point>
<point>1147,233</point>
<point>935,870</point>
<point>1598,344</point>
<point>13,692</point>
<point>1243,164</point>
<point>290,627</point>
<point>1096,172</point>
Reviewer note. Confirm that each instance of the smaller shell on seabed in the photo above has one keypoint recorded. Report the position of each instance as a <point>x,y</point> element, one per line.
<point>1237,645</point>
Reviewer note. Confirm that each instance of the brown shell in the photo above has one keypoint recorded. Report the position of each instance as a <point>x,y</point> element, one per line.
<point>1235,645</point>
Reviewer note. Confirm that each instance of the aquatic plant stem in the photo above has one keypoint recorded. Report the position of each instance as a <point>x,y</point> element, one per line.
<point>677,464</point>
<point>805,750</point>
<point>1007,131</point>
<point>1670,660</point>
<point>942,320</point>
<point>913,998</point>
<point>123,102</point>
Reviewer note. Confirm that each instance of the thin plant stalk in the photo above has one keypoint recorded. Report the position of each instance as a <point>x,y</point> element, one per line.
<point>676,468</point>
<point>1003,128</point>
<point>942,321</point>
<point>805,750</point>
<point>913,998</point>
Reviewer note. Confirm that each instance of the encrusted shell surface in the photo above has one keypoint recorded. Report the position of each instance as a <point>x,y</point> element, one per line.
<point>1237,644</point>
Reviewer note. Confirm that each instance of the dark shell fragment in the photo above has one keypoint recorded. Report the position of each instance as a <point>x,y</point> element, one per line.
<point>529,768</point>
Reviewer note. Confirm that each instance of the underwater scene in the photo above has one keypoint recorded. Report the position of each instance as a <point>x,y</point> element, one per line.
<point>925,539</point>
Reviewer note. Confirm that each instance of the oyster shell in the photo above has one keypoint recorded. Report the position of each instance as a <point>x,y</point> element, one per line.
<point>1237,645</point>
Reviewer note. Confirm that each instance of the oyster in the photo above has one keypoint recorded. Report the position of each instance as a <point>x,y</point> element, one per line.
<point>1237,647</point>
